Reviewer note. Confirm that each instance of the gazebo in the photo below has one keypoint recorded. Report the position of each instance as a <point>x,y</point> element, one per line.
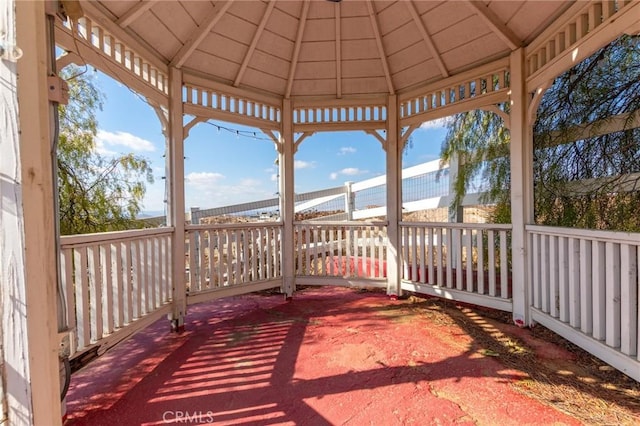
<point>291,69</point>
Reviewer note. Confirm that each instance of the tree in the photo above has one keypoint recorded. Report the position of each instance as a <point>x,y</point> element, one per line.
<point>96,193</point>
<point>586,179</point>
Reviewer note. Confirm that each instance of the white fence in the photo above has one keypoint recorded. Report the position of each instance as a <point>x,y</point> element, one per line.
<point>584,287</point>
<point>232,259</point>
<point>113,280</point>
<point>340,253</point>
<point>466,262</point>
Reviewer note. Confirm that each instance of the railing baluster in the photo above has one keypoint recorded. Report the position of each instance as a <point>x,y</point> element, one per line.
<point>612,298</point>
<point>505,293</point>
<point>491,246</point>
<point>107,289</point>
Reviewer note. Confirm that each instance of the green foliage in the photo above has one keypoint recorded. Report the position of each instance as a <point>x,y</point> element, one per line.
<point>590,182</point>
<point>96,193</point>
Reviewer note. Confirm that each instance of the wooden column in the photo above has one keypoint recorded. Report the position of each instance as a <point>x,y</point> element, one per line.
<point>30,388</point>
<point>394,197</point>
<point>176,203</point>
<point>286,151</point>
<point>521,187</point>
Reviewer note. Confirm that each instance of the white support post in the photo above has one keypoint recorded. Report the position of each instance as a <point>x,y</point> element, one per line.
<point>394,198</point>
<point>286,152</point>
<point>521,188</point>
<point>176,203</point>
<point>349,200</point>
<point>30,389</point>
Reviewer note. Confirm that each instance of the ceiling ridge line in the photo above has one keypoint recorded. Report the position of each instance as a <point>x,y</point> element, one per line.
<point>198,35</point>
<point>254,42</point>
<point>296,48</point>
<point>383,57</point>
<point>427,38</point>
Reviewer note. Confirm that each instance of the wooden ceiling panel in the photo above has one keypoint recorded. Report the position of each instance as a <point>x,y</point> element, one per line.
<point>505,10</point>
<point>362,68</point>
<point>447,13</point>
<point>319,30</point>
<point>355,8</point>
<point>423,7</point>
<point>392,17</point>
<point>264,81</point>
<point>198,9</point>
<point>318,51</point>
<point>275,45</point>
<point>321,10</point>
<point>292,8</point>
<point>250,11</point>
<point>236,29</point>
<point>408,57</point>
<point>423,71</point>
<point>361,86</point>
<point>268,63</point>
<point>356,28</point>
<point>532,17</point>
<point>177,20</point>
<point>283,24</point>
<point>315,87</point>
<point>119,8</point>
<point>482,50</point>
<point>212,65</point>
<point>359,49</point>
<point>461,33</point>
<point>233,51</point>
<point>401,38</point>
<point>154,31</point>
<point>311,70</point>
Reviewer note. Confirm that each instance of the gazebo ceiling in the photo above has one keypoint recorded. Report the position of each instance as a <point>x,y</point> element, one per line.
<point>330,49</point>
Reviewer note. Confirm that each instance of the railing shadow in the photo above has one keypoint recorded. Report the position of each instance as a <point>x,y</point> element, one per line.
<point>241,363</point>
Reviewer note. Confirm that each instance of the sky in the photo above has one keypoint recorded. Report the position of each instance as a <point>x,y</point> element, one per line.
<point>225,167</point>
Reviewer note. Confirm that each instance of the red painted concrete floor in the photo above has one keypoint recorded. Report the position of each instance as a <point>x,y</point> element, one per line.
<point>331,356</point>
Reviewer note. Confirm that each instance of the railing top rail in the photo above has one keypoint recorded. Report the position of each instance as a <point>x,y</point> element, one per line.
<point>456,225</point>
<point>222,226</point>
<point>605,236</point>
<point>320,223</point>
<point>68,241</point>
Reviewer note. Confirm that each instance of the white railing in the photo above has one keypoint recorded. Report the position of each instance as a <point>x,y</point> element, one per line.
<point>584,287</point>
<point>227,256</point>
<point>350,250</point>
<point>111,280</point>
<point>93,34</point>
<point>467,262</point>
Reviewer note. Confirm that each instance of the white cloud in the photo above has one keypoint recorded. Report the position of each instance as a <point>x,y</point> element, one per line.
<point>439,123</point>
<point>208,189</point>
<point>274,177</point>
<point>300,164</point>
<point>204,180</point>
<point>349,171</point>
<point>107,141</point>
<point>346,150</point>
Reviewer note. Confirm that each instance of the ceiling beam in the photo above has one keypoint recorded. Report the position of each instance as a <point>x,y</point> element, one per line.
<point>199,34</point>
<point>296,48</point>
<point>427,38</point>
<point>134,13</point>
<point>338,52</point>
<point>497,26</point>
<point>254,42</point>
<point>383,56</point>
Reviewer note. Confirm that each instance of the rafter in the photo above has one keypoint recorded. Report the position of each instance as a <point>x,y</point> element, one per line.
<point>338,52</point>
<point>383,56</point>
<point>296,48</point>
<point>427,38</point>
<point>134,13</point>
<point>497,26</point>
<point>199,34</point>
<point>254,42</point>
